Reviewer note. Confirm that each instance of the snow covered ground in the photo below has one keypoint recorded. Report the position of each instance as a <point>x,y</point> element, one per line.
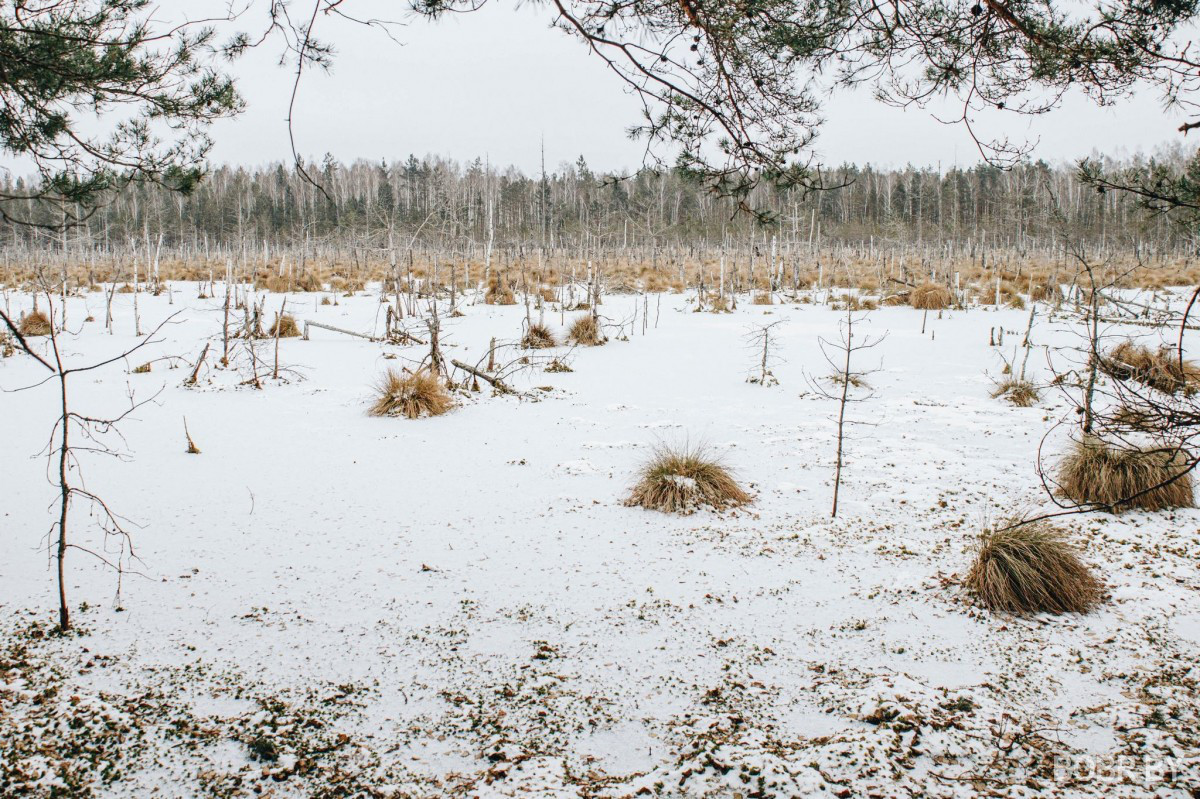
<point>331,604</point>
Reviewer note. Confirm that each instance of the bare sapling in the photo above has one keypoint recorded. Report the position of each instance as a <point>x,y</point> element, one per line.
<point>137,319</point>
<point>1015,387</point>
<point>761,341</point>
<point>1093,334</point>
<point>279,326</point>
<point>225,322</point>
<point>845,379</point>
<point>64,454</point>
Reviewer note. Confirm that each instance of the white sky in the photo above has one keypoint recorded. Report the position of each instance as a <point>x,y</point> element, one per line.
<point>495,82</point>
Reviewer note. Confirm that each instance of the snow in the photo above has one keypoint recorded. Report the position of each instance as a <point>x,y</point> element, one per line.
<point>499,622</point>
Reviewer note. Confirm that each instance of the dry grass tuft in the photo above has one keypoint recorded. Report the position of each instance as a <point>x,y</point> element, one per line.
<point>345,285</point>
<point>762,298</point>
<point>1094,472</point>
<point>285,326</point>
<point>1131,417</point>
<point>1159,369</point>
<point>586,332</point>
<point>681,480</point>
<point>853,302</point>
<point>498,292</point>
<point>1021,393</point>
<point>853,380</point>
<point>1032,569</point>
<point>308,282</point>
<point>35,324</point>
<point>410,395</point>
<point>930,297</point>
<point>716,305</point>
<point>538,337</point>
<point>1049,291</point>
<point>558,366</point>
<point>654,283</point>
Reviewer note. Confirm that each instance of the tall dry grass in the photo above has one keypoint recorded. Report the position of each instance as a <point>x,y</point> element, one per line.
<point>930,297</point>
<point>680,480</point>
<point>584,331</point>
<point>538,337</point>
<point>34,323</point>
<point>1161,368</point>
<point>1125,477</point>
<point>410,395</point>
<point>1031,568</point>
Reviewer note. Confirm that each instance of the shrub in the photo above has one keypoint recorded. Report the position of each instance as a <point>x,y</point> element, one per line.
<point>586,332</point>
<point>1031,568</point>
<point>538,337</point>
<point>285,327</point>
<point>680,480</point>
<point>35,324</point>
<point>1158,369</point>
<point>930,297</point>
<point>1021,393</point>
<point>411,395</point>
<point>1095,472</point>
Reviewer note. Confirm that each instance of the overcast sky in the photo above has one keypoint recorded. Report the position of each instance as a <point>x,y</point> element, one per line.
<point>494,83</point>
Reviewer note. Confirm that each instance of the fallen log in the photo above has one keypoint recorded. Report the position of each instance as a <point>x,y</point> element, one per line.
<point>1166,324</point>
<point>341,330</point>
<point>496,382</point>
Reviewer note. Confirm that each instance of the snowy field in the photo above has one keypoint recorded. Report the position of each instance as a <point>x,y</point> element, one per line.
<point>330,604</point>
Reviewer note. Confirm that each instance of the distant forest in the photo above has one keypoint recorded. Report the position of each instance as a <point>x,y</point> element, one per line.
<point>444,203</point>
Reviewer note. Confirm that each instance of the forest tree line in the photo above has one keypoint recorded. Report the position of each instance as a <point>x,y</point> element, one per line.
<point>446,203</point>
